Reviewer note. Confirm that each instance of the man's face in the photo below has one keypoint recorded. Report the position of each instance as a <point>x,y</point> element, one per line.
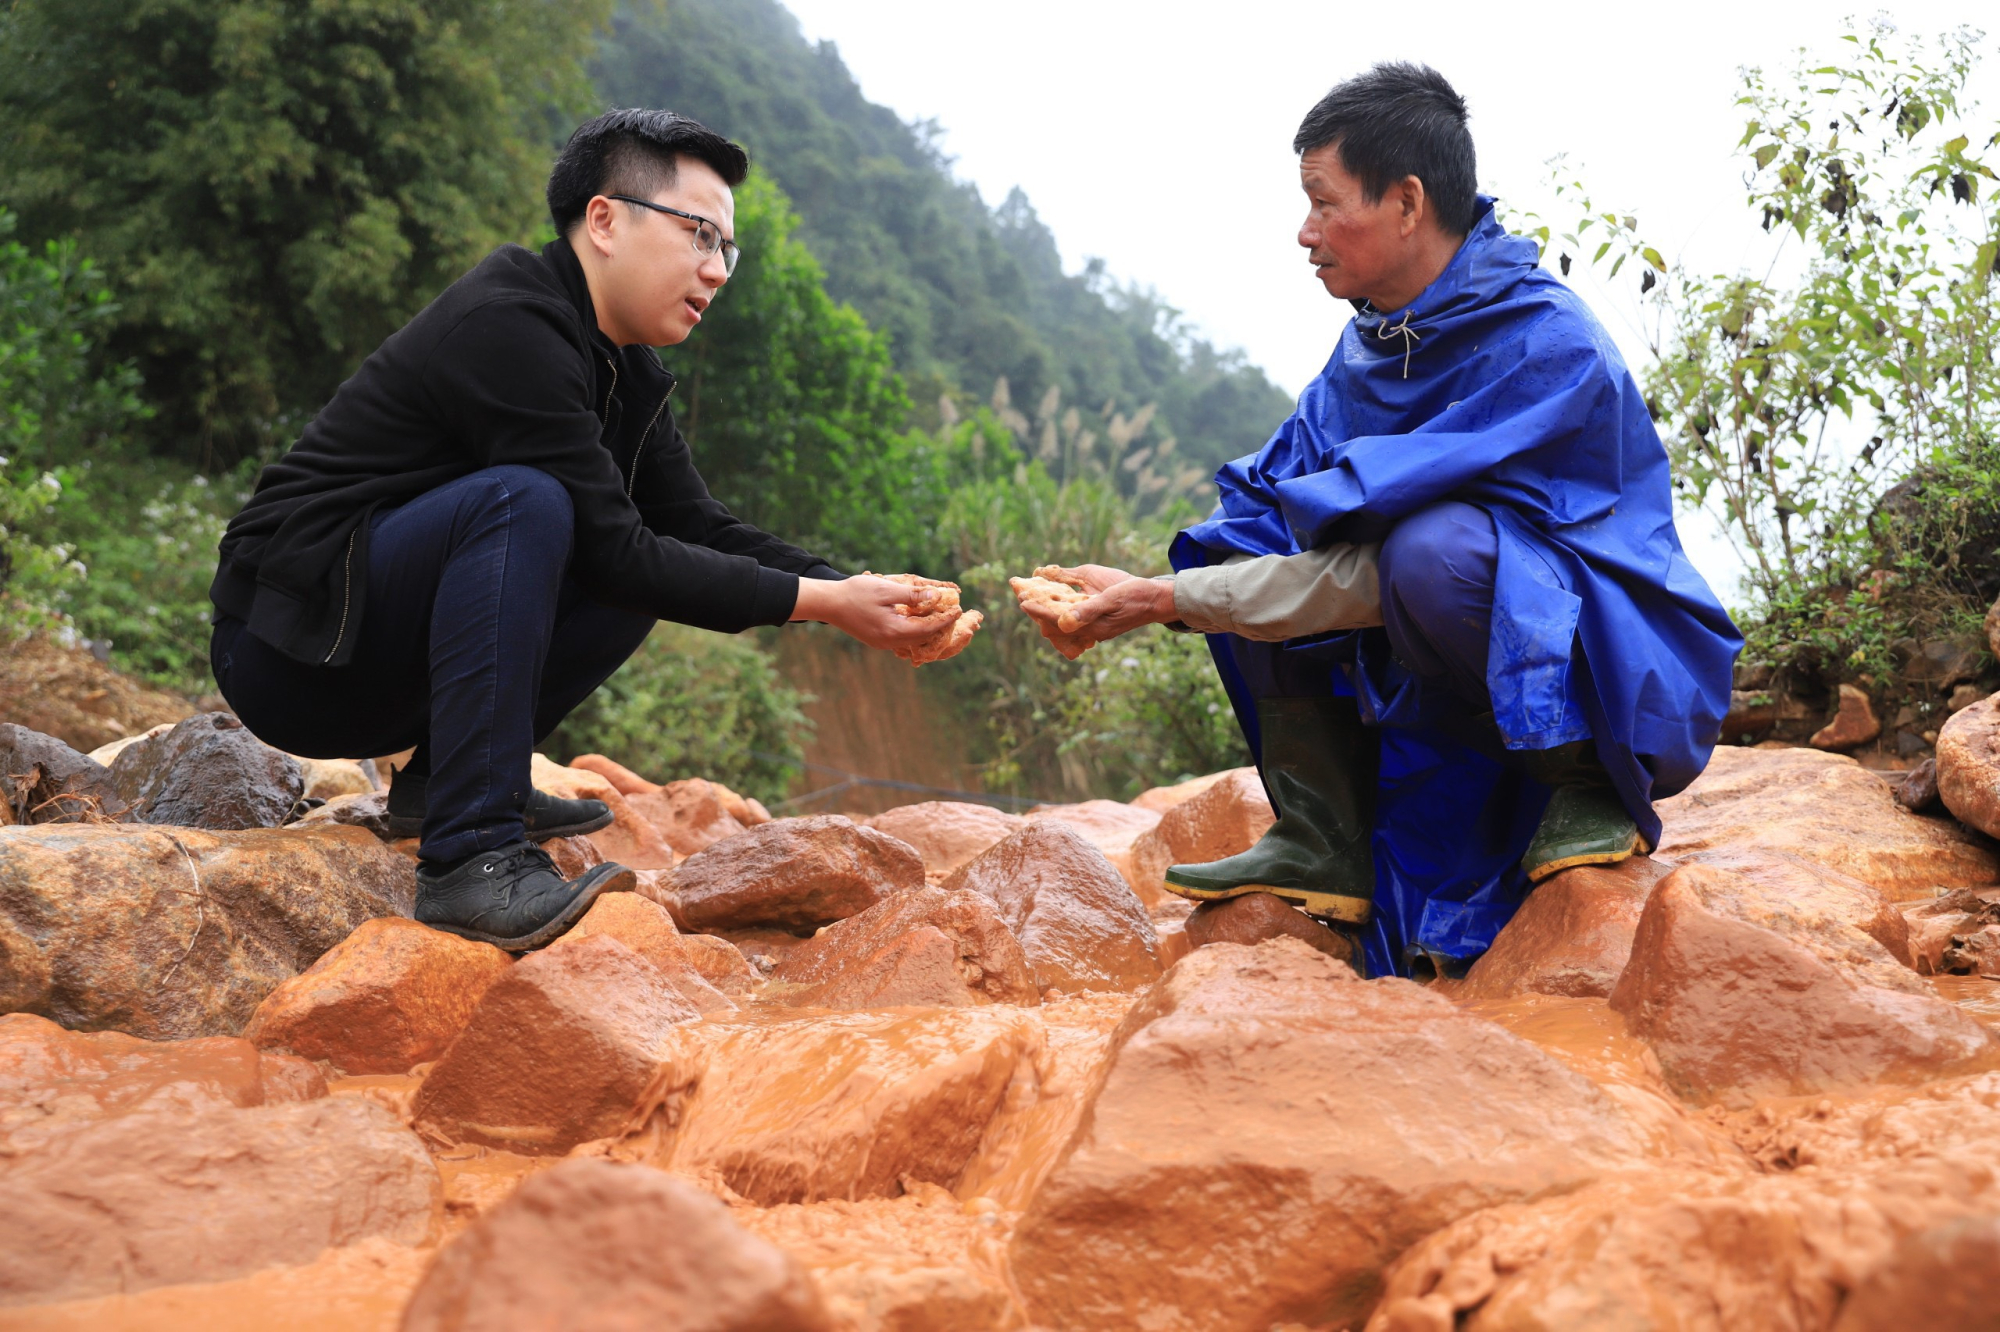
<point>657,283</point>
<point>1354,244</point>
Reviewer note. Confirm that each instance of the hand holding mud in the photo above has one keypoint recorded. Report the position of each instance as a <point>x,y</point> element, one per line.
<point>1078,607</point>
<point>919,619</point>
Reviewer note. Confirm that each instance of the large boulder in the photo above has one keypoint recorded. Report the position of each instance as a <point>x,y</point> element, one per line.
<point>43,780</point>
<point>590,1246</point>
<point>946,833</point>
<point>1739,999</point>
<point>851,1106</point>
<point>569,1045</point>
<point>181,1195</point>
<point>1270,1132</point>
<point>1968,765</point>
<point>208,772</point>
<point>793,874</point>
<point>1160,799</point>
<point>390,996</point>
<point>52,1079</point>
<point>1826,809</point>
<point>1106,824</point>
<point>645,927</point>
<point>172,932</point>
<point>1079,922</point>
<point>1572,936</point>
<point>1227,816</point>
<point>922,947</point>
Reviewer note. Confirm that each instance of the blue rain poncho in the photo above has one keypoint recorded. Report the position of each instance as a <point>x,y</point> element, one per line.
<point>1495,387</point>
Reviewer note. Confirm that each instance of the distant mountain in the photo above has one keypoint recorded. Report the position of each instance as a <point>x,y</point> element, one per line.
<point>968,293</point>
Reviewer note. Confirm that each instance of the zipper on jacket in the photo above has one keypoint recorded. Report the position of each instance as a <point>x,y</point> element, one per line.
<point>632,476</point>
<point>346,595</point>
<point>606,414</point>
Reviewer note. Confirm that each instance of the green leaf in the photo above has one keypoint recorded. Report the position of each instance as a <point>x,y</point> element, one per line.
<point>1652,256</point>
<point>1764,154</point>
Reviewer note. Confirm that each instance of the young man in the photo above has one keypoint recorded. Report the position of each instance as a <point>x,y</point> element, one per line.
<point>489,517</point>
<point>1447,598</point>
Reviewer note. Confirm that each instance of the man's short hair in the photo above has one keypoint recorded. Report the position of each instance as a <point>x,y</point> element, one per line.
<point>1400,120</point>
<point>635,152</point>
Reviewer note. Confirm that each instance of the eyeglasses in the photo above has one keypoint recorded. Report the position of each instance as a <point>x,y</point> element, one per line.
<point>707,236</point>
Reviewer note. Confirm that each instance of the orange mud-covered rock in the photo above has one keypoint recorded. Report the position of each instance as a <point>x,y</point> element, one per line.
<point>1109,826</point>
<point>569,1045</point>
<point>647,929</point>
<point>1572,936</point>
<point>1050,598</point>
<point>946,833</point>
<point>1735,1009</point>
<point>591,1246</point>
<point>1270,1132</point>
<point>721,964</point>
<point>1968,765</point>
<point>691,814</point>
<point>390,996</point>
<point>923,947</point>
<point>1839,919</point>
<point>793,874</point>
<point>1256,917</point>
<point>52,1079</point>
<point>172,932</point>
<point>631,840</point>
<point>849,1105</point>
<point>1080,924</point>
<point>1226,818</point>
<point>174,1195</point>
<point>1160,799</point>
<point>1826,809</point>
<point>1944,1278</point>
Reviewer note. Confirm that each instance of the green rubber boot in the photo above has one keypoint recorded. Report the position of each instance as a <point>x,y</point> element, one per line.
<point>1586,822</point>
<point>1319,769</point>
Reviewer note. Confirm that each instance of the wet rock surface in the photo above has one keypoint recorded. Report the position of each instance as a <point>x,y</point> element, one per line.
<point>207,772</point>
<point>1080,924</point>
<point>570,1044</point>
<point>1825,809</point>
<point>1256,917</point>
<point>1737,1001</point>
<point>1572,936</point>
<point>1225,817</point>
<point>793,874</point>
<point>43,780</point>
<point>647,929</point>
<point>166,932</point>
<point>946,833</point>
<point>1968,765</point>
<point>173,1195</point>
<point>1265,1111</point>
<point>599,1247</point>
<point>631,840</point>
<point>923,947</point>
<point>1109,826</point>
<point>390,996</point>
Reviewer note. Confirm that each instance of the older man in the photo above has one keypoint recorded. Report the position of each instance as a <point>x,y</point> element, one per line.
<point>1447,598</point>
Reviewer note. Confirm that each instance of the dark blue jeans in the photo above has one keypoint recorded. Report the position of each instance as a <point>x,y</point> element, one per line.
<point>474,645</point>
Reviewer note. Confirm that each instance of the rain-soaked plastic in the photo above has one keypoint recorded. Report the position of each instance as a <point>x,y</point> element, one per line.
<point>1495,387</point>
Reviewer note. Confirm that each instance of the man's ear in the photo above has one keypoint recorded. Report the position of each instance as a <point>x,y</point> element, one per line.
<point>1416,205</point>
<point>599,227</point>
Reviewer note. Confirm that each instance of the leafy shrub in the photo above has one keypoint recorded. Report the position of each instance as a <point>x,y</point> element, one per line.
<point>1146,710</point>
<point>691,703</point>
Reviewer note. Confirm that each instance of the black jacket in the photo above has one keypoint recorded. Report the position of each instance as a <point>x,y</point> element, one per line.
<point>506,366</point>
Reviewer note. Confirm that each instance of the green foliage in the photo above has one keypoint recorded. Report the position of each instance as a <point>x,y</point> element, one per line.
<point>55,405</point>
<point>1790,402</point>
<point>967,294</point>
<point>691,703</point>
<point>1146,710</point>
<point>794,412</point>
<point>277,186</point>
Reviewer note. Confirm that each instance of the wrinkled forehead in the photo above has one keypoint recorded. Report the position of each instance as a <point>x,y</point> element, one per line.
<point>1322,172</point>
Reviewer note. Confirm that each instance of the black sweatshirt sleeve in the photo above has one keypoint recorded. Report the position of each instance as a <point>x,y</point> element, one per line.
<point>513,380</point>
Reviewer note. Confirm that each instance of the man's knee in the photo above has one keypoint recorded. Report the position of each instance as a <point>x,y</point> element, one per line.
<point>1440,557</point>
<point>528,502</point>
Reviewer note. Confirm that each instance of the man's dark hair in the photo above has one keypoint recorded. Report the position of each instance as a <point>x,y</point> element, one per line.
<point>635,152</point>
<point>1400,120</point>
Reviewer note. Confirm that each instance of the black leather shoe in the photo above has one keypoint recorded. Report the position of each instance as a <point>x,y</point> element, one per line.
<point>513,898</point>
<point>546,816</point>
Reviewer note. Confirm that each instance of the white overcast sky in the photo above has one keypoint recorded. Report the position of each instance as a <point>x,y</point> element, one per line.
<point>1157,135</point>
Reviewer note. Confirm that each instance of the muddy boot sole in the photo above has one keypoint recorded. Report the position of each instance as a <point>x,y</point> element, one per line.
<point>591,885</point>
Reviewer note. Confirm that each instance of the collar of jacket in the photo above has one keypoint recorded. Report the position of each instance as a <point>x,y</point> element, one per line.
<point>634,361</point>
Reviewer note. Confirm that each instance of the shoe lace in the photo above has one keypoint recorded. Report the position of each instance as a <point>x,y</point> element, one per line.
<point>512,858</point>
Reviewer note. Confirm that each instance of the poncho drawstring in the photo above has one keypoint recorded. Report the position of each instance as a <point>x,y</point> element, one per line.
<point>1383,332</point>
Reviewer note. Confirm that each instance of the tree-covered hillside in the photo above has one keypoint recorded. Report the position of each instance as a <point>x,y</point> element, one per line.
<point>968,294</point>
